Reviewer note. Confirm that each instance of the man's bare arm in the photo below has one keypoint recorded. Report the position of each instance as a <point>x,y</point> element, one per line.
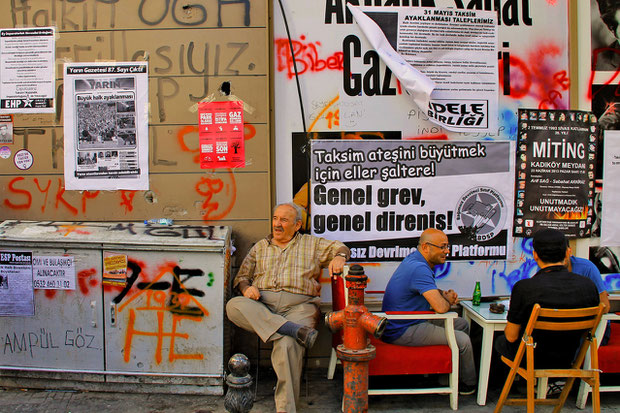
<point>437,301</point>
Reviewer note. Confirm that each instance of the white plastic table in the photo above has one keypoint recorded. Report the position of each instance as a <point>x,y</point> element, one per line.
<point>490,323</point>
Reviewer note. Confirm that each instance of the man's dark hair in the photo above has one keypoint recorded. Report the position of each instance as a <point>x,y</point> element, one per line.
<point>608,9</point>
<point>550,245</point>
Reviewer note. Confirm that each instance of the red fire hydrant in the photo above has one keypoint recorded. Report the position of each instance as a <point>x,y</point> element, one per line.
<point>355,352</point>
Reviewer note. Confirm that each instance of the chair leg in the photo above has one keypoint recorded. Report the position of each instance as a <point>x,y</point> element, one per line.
<point>504,394</point>
<point>582,396</point>
<point>331,369</point>
<point>454,391</point>
<point>596,396</point>
<point>257,366</point>
<point>531,395</point>
<point>541,391</point>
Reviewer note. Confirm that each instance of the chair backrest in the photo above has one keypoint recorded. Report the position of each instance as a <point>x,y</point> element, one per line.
<point>339,291</point>
<point>574,320</point>
<point>581,319</point>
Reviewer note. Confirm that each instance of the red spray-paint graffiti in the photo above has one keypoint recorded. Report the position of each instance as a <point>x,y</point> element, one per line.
<point>306,57</point>
<point>536,77</point>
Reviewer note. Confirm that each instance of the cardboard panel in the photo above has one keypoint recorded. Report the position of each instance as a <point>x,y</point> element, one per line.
<point>140,14</point>
<point>173,148</point>
<point>200,196</point>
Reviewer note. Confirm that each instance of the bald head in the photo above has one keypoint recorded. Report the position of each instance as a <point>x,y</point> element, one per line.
<point>433,246</point>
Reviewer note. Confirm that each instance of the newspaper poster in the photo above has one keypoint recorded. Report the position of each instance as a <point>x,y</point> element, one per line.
<point>610,221</point>
<point>106,126</point>
<point>555,167</point>
<point>16,292</point>
<point>221,134</point>
<point>53,272</point>
<point>455,50</point>
<point>27,59</point>
<point>379,196</point>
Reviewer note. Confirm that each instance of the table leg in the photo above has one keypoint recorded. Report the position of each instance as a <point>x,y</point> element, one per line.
<point>485,364</point>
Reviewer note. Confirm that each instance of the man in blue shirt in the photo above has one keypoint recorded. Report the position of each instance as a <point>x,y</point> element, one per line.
<point>413,288</point>
<point>587,268</point>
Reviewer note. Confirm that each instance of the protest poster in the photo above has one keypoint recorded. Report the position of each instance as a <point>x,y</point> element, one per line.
<point>53,272</point>
<point>221,134</point>
<point>28,81</point>
<point>16,291</point>
<point>556,159</point>
<point>106,126</point>
<point>379,196</point>
<point>419,44</point>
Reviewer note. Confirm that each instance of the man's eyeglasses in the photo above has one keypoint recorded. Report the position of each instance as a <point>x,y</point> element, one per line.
<point>441,247</point>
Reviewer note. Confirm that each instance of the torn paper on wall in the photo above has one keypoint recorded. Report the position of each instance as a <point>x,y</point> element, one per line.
<point>445,58</point>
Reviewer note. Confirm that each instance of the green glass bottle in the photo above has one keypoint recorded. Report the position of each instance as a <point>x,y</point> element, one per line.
<point>477,294</point>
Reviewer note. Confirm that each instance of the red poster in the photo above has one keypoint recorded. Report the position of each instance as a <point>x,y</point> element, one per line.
<point>221,134</point>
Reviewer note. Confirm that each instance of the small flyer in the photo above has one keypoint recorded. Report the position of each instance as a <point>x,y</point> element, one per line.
<point>114,268</point>
<point>16,292</point>
<point>53,273</point>
<point>556,159</point>
<point>27,58</point>
<point>6,129</point>
<point>221,134</point>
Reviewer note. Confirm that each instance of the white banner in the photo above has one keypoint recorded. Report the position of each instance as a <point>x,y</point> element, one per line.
<point>379,196</point>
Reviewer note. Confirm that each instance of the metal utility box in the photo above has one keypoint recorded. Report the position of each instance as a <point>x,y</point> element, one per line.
<point>146,305</point>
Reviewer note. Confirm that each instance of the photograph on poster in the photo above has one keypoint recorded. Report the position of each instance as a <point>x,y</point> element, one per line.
<point>605,20</point>
<point>6,128</point>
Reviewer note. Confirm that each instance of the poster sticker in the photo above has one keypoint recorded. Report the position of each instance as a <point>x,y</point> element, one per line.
<point>27,57</point>
<point>114,268</point>
<point>6,128</point>
<point>221,134</point>
<point>106,126</point>
<point>23,159</point>
<point>53,273</point>
<point>5,152</point>
<point>555,172</point>
<point>16,292</point>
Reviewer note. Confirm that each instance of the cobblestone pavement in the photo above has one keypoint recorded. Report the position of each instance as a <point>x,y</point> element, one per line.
<point>323,396</point>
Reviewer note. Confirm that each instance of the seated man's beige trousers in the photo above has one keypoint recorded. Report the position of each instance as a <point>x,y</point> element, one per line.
<point>265,317</point>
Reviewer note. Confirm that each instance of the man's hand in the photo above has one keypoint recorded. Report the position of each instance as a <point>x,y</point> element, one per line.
<point>336,266</point>
<point>251,292</point>
<point>451,296</point>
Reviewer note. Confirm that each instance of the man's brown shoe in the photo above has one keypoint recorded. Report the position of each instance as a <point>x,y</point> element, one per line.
<point>306,336</point>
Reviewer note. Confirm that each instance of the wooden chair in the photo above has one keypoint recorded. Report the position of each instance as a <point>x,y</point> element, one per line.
<point>555,320</point>
<point>394,360</point>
